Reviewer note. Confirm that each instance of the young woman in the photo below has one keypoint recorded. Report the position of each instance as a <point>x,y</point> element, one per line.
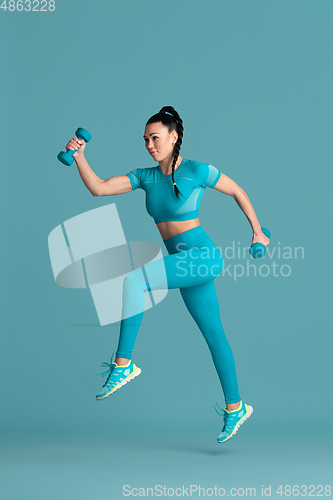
<point>174,189</point>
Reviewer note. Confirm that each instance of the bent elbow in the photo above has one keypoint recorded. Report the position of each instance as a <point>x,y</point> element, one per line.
<point>98,191</point>
<point>237,191</point>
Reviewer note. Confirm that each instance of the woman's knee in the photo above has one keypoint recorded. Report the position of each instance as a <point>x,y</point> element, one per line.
<point>217,268</point>
<point>210,268</point>
<point>134,280</point>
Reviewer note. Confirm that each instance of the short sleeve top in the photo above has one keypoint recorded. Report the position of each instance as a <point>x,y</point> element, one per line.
<point>162,204</point>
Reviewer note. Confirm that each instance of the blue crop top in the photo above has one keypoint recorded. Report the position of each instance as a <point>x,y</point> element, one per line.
<point>162,204</point>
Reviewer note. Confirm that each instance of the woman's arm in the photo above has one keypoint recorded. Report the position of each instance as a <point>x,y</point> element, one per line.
<point>92,182</point>
<point>119,184</point>
<point>227,186</point>
<point>98,187</point>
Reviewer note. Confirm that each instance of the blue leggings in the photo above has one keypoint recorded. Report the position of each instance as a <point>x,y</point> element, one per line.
<point>192,265</point>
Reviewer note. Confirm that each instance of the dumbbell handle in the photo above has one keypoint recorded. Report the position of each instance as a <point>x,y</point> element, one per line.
<point>66,157</point>
<point>258,250</point>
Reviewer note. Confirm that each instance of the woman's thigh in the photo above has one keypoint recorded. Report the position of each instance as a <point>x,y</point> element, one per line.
<point>203,305</point>
<point>184,269</point>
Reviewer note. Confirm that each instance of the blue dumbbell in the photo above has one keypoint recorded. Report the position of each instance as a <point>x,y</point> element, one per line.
<point>66,157</point>
<point>258,250</point>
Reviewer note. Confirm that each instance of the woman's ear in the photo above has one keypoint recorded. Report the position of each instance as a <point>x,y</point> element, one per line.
<point>174,137</point>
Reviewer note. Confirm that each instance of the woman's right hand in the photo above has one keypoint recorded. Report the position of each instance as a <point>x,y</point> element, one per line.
<point>75,143</point>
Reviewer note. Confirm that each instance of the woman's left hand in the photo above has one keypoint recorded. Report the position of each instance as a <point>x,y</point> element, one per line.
<point>260,238</point>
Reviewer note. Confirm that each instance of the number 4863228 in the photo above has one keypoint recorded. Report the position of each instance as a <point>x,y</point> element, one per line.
<point>26,5</point>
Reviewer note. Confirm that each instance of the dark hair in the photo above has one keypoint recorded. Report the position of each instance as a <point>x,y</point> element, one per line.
<point>171,119</point>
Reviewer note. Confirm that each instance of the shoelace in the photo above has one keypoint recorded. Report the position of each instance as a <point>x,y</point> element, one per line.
<point>109,371</point>
<point>227,426</point>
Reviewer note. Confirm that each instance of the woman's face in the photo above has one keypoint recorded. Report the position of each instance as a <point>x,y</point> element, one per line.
<point>159,143</point>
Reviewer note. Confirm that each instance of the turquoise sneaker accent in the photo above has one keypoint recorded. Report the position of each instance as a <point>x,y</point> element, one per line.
<point>117,377</point>
<point>232,420</point>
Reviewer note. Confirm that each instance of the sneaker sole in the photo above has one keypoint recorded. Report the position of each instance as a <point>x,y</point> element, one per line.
<point>241,422</point>
<point>128,379</point>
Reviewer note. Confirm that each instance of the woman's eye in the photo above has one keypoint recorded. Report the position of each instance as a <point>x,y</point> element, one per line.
<point>154,137</point>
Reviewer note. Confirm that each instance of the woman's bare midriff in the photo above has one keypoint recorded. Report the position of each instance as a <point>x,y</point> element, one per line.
<point>172,228</point>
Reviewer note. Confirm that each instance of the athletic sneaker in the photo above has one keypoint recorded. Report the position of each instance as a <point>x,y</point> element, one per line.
<point>232,420</point>
<point>117,377</point>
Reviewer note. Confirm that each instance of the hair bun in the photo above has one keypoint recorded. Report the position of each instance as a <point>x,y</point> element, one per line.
<point>168,110</point>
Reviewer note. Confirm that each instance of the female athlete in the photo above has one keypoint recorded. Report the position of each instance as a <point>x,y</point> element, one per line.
<point>174,189</point>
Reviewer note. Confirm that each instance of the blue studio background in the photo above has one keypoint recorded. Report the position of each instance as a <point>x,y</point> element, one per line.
<point>252,81</point>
